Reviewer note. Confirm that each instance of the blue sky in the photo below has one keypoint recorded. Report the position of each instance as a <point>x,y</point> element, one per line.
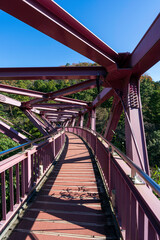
<point>120,24</point>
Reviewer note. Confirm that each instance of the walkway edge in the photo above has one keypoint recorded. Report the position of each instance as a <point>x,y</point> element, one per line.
<point>20,212</point>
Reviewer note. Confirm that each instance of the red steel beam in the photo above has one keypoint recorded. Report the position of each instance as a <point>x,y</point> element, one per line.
<point>147,52</point>
<point>67,91</point>
<point>21,91</point>
<point>75,88</point>
<point>105,94</point>
<point>36,94</point>
<point>71,100</point>
<point>36,122</point>
<point>49,18</point>
<point>6,121</point>
<point>49,111</point>
<point>14,102</point>
<point>10,101</point>
<point>59,113</point>
<point>12,133</point>
<point>113,120</point>
<point>54,73</point>
<point>58,117</point>
<point>56,105</point>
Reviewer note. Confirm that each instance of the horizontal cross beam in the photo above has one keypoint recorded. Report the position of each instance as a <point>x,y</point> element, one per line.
<point>89,84</point>
<point>70,100</point>
<point>20,91</point>
<point>49,111</point>
<point>36,94</point>
<point>32,73</point>
<point>57,106</point>
<point>61,26</point>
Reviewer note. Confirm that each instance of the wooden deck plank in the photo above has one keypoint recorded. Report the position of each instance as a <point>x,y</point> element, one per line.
<point>68,205</point>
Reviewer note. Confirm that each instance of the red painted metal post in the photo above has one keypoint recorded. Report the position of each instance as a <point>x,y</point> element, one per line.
<point>28,173</point>
<point>11,188</point>
<point>17,184</point>
<point>93,119</point>
<point>109,172</point>
<point>23,178</point>
<point>73,122</point>
<point>135,136</point>
<point>81,120</point>
<point>88,120</point>
<point>78,121</point>
<point>3,189</point>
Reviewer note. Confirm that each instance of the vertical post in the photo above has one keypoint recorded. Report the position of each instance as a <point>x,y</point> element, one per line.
<point>93,119</point>
<point>23,178</point>
<point>73,122</point>
<point>54,149</point>
<point>134,128</point>
<point>3,189</point>
<point>109,173</point>
<point>11,188</point>
<point>88,120</point>
<point>67,123</point>
<point>17,184</point>
<point>81,120</point>
<point>78,122</point>
<point>28,172</point>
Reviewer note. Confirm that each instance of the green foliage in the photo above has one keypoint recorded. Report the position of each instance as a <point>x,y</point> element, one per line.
<point>102,115</point>
<point>6,142</point>
<point>155,174</point>
<point>154,149</point>
<point>150,96</point>
<point>119,135</point>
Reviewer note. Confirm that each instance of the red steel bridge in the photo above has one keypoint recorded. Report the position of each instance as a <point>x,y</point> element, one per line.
<point>89,188</point>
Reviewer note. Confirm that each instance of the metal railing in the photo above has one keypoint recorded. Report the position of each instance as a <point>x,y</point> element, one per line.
<point>134,168</point>
<point>28,144</point>
<point>21,172</point>
<point>136,207</point>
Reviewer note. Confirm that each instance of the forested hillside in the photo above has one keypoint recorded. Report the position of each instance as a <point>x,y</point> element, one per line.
<point>150,95</point>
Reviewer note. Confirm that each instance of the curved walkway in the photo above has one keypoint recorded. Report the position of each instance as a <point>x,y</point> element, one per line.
<point>68,206</point>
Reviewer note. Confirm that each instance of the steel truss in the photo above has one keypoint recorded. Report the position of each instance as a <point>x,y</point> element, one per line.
<point>118,73</point>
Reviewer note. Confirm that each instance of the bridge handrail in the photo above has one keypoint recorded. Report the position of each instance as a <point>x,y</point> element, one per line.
<point>155,187</point>
<point>27,169</point>
<point>29,143</point>
<point>136,207</point>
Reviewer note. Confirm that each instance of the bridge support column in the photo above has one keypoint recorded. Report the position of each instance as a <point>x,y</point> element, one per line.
<point>93,119</point>
<point>28,172</point>
<point>73,122</point>
<point>88,120</point>
<point>134,128</point>
<point>66,124</point>
<point>81,120</point>
<point>113,119</point>
<point>78,122</point>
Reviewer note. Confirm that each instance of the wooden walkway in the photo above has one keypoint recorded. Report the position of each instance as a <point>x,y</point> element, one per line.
<point>68,206</point>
